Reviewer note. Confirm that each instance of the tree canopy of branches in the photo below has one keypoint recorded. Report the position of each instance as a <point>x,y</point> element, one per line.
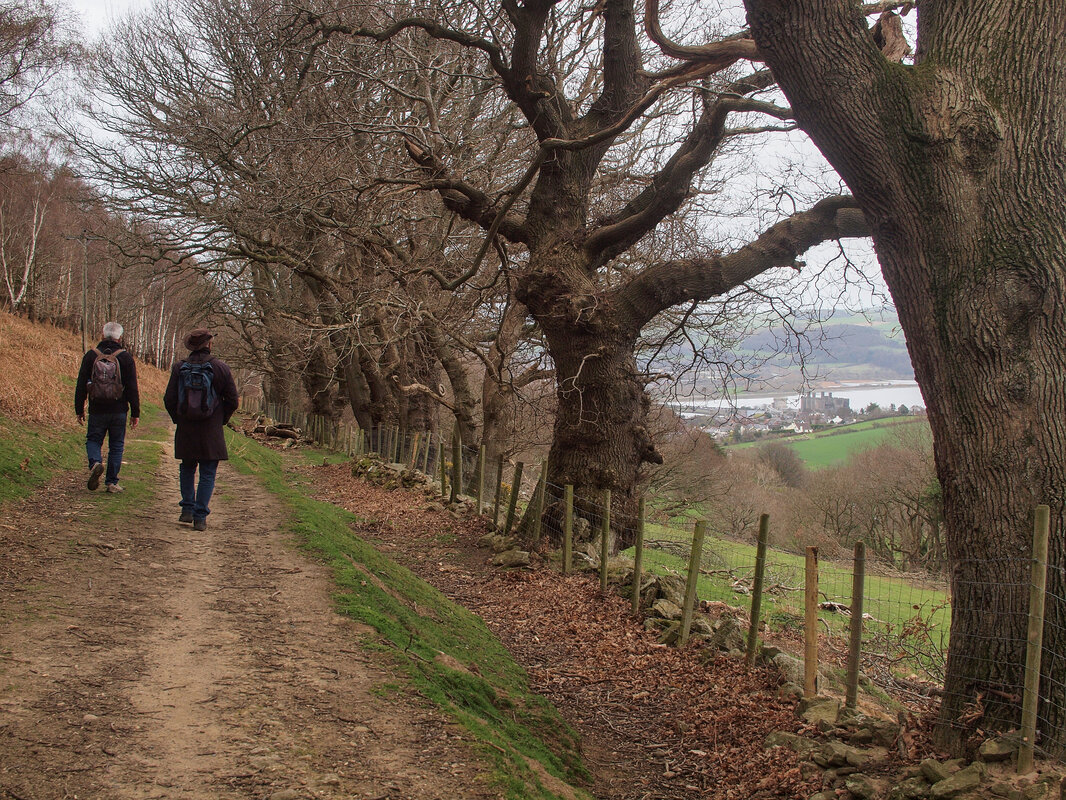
<point>259,146</point>
<point>616,147</point>
<point>33,49</point>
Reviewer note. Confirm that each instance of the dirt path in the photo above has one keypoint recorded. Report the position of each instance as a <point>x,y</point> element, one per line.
<point>142,659</point>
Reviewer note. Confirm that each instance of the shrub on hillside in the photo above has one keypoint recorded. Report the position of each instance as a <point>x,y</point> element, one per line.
<point>38,368</point>
<point>785,462</point>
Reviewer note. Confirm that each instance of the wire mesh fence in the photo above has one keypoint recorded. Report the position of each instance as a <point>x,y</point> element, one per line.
<point>906,617</point>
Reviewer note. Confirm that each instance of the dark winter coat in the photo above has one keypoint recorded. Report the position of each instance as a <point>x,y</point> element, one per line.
<point>131,398</point>
<point>202,440</point>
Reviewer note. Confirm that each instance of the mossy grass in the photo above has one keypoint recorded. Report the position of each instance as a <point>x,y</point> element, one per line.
<point>30,455</point>
<point>486,692</point>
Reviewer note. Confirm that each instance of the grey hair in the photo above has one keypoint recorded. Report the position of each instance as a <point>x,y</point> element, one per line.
<point>113,330</point>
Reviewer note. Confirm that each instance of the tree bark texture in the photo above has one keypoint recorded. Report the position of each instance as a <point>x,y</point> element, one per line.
<point>959,164</point>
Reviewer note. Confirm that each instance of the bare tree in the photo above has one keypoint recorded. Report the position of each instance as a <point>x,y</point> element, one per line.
<point>579,76</point>
<point>34,47</point>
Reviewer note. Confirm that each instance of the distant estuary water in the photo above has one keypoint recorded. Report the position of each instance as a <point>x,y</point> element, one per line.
<point>860,394</point>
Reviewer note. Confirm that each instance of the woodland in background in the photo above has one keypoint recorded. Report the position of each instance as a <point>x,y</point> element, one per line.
<point>61,245</point>
<point>886,496</point>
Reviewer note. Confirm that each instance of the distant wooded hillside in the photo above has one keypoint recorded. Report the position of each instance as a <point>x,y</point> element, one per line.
<point>851,348</point>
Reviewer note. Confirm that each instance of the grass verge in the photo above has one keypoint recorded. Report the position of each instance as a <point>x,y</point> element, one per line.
<point>448,654</point>
<point>30,455</point>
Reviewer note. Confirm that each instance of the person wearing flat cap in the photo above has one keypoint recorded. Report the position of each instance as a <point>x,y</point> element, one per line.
<point>201,396</point>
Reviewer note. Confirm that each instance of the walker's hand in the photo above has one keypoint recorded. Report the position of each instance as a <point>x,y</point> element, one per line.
<point>81,419</point>
<point>134,421</point>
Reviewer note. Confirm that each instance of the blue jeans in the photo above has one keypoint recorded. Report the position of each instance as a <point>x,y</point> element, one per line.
<point>114,426</point>
<point>194,498</point>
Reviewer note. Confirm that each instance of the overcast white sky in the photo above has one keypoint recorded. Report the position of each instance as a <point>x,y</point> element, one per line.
<point>96,14</point>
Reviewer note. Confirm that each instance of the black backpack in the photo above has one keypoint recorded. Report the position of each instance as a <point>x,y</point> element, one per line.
<point>197,398</point>
<point>105,380</point>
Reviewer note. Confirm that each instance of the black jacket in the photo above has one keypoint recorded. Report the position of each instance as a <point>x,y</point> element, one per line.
<point>203,440</point>
<point>131,398</point>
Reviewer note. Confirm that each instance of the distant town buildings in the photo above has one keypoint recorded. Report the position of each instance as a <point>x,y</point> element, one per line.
<point>816,409</point>
<point>825,403</point>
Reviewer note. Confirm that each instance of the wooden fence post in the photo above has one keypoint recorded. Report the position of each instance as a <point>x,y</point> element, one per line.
<point>605,540</point>
<point>480,486</point>
<point>810,624</point>
<point>443,467</point>
<point>1035,638</point>
<point>457,464</point>
<point>514,498</point>
<point>858,583</point>
<point>414,449</point>
<point>425,454</point>
<point>638,558</point>
<point>694,560</point>
<point>756,589</point>
<point>538,501</point>
<point>499,491</point>
<point>568,526</point>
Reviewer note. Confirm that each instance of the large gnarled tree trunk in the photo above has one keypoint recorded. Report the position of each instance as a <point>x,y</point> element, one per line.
<point>959,164</point>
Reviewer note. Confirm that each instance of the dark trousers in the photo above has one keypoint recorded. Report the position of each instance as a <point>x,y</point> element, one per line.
<point>195,497</point>
<point>114,427</point>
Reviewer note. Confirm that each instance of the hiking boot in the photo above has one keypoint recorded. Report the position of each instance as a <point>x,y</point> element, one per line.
<point>114,488</point>
<point>186,516</point>
<point>95,471</point>
<point>199,524</point>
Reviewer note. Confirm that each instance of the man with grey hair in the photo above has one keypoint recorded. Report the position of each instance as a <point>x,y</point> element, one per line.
<point>108,379</point>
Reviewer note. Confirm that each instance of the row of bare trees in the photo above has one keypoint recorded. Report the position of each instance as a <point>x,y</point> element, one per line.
<point>468,207</point>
